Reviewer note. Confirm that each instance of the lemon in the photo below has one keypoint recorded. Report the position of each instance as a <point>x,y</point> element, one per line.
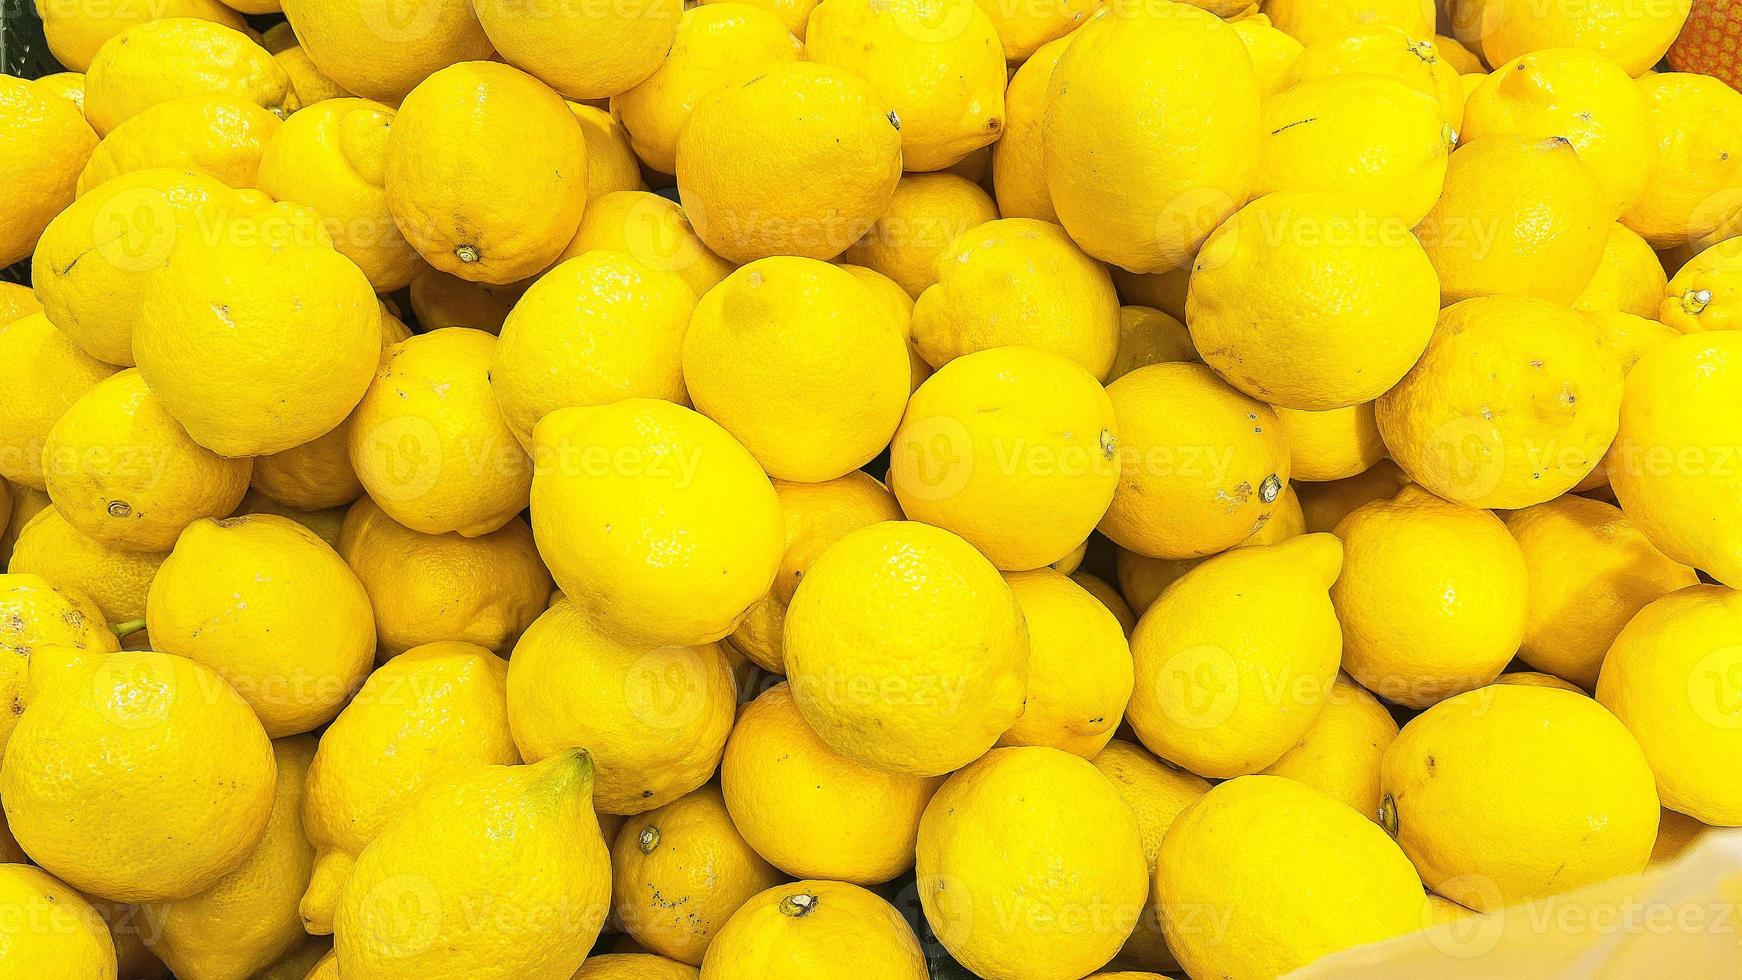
<point>1157,793</point>
<point>1314,20</point>
<point>162,60</point>
<point>36,613</point>
<point>654,718</point>
<point>1488,791</point>
<point>1309,877</point>
<point>1629,279</point>
<point>794,15</point>
<point>1017,823</point>
<point>1108,595</point>
<point>324,523</point>
<point>583,52</point>
<point>1142,578</point>
<point>326,968</point>
<point>1142,161</point>
<point>478,834</point>
<point>75,32</point>
<point>116,580</point>
<point>823,930</point>
<point>431,709</point>
<point>297,964</point>
<point>680,871</point>
<point>428,587</point>
<point>815,515</point>
<point>926,214</point>
<point>1676,833</point>
<point>713,45</point>
<point>218,135</point>
<point>594,329</point>
<point>1024,29</point>
<point>1079,666</point>
<point>1634,36</point>
<point>307,81</point>
<point>1590,571</point>
<point>1671,465</point>
<point>1387,50</point>
<point>1695,187</point>
<point>1531,678</point>
<point>174,779</point>
<point>1702,295</point>
<point>1340,753</point>
<point>1513,404</point>
<point>25,503</point>
<point>46,143</point>
<point>1331,445</point>
<point>1375,142</point>
<point>1149,336</point>
<point>635,966</point>
<point>16,300</point>
<point>1431,598</point>
<point>811,811</point>
<point>611,163</point>
<point>346,42</point>
<point>652,230</point>
<point>1201,465</point>
<point>658,524</point>
<point>333,158</point>
<point>800,159</point>
<point>1019,156</point>
<point>248,919</point>
<point>1577,94</point>
<point>1235,660</point>
<point>1670,677</point>
<point>1303,301</point>
<point>916,617</point>
<point>54,931</point>
<point>46,374</point>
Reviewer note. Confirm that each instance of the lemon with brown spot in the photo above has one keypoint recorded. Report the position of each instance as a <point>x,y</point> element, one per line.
<point>38,614</point>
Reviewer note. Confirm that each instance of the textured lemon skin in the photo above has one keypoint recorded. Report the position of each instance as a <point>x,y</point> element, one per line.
<point>54,932</point>
<point>1202,466</point>
<point>306,80</point>
<point>635,966</point>
<point>1634,37</point>
<point>116,580</point>
<point>162,60</point>
<point>1019,156</point>
<point>811,811</point>
<point>1513,403</point>
<point>654,718</point>
<point>1702,296</point>
<point>1590,572</point>
<point>658,524</point>
<point>799,159</point>
<point>216,134</point>
<point>1629,279</point>
<point>46,374</point>
<point>825,930</point>
<point>899,306</point>
<point>1044,825</point>
<point>1383,49</point>
<point>1305,302</point>
<point>124,472</point>
<point>1141,164</point>
<point>266,603</point>
<point>468,189</point>
<point>524,836</point>
<point>380,51</point>
<point>135,776</point>
<point>36,612</point>
<point>45,143</point>
<point>1235,660</point>
<point>1157,793</point>
<point>431,709</point>
<point>1431,597</point>
<point>1670,466</point>
<point>914,614</point>
<point>679,872</point>
<point>1695,187</point>
<point>1665,679</point>
<point>248,919</point>
<point>652,230</point>
<point>75,32</point>
<point>1340,753</point>
<point>1264,874</point>
<point>927,213</point>
<point>583,52</point>
<point>1487,793</point>
<point>1079,666</point>
<point>815,515</point>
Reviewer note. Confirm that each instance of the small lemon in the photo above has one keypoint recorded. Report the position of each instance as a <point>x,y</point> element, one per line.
<point>1157,793</point>
<point>1331,445</point>
<point>653,231</point>
<point>1695,187</point>
<point>583,52</point>
<point>1142,578</point>
<point>24,503</point>
<point>611,163</point>
<point>1019,156</point>
<point>52,931</point>
<point>1629,278</point>
<point>219,135</point>
<point>926,214</point>
<point>380,52</point>
<point>306,80</point>
<point>1149,336</point>
<point>1340,753</point>
<point>822,930</point>
<point>1108,595</point>
<point>440,300</point>
<point>794,15</point>
<point>1531,678</point>
<point>1273,52</point>
<point>1079,666</point>
<point>116,580</point>
<point>45,373</point>
<point>44,143</point>
<point>162,60</point>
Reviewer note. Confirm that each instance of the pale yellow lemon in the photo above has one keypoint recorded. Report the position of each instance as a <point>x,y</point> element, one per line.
<point>1080,671</point>
<point>927,213</point>
<point>821,929</point>
<point>44,144</point>
<point>1383,49</point>
<point>1695,187</point>
<point>1340,753</point>
<point>46,373</point>
<point>583,52</point>
<point>162,60</point>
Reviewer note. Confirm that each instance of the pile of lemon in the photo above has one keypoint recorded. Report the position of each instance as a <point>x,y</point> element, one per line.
<point>622,492</point>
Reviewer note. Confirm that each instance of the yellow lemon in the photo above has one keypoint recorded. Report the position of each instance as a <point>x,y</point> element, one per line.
<point>1309,877</point>
<point>53,931</point>
<point>1235,660</point>
<point>429,710</point>
<point>1024,29</point>
<point>927,213</point>
<point>1671,678</point>
<point>1676,832</point>
<point>793,357</point>
<point>1314,20</point>
<point>657,523</point>
<point>1019,156</point>
<point>1149,336</point>
<point>794,15</point>
<point>468,189</point>
<point>1013,448</point>
<point>635,966</point>
<point>1512,404</point>
<point>332,157</point>
<point>1201,465</point>
<point>1373,141</point>
<point>1457,54</point>
<point>1142,161</point>
<point>429,443</point>
<point>218,135</point>
<point>481,834</point>
<point>1695,187</point>
<point>1432,597</point>
<point>45,374</point>
<point>324,523</point>
<point>381,50</point>
<point>440,300</point>
<point>811,811</point>
<point>1273,52</point>
<point>611,163</point>
<point>1340,753</point>
<point>162,60</point>
<point>899,306</point>
<point>1635,36</point>
<point>1531,678</point>
<point>1142,578</point>
<point>1165,291</point>
<point>1080,671</point>
<point>116,580</point>
<point>1157,793</point>
<point>596,328</point>
<point>1514,793</point>
<point>76,31</point>
<point>654,718</point>
<point>1629,278</point>
<point>36,613</point>
<point>307,81</point>
<point>1306,302</point>
<point>905,649</point>
<point>1673,464</point>
<point>1013,824</point>
<point>583,52</point>
<point>823,930</point>
<point>1108,595</point>
<point>16,300</point>
<point>1590,571</point>
<point>44,144</point>
<point>1702,296</point>
<point>135,776</point>
<point>652,230</point>
<point>800,159</point>
<point>714,44</point>
<point>1519,215</point>
<point>679,872</point>
<point>25,503</point>
<point>1331,445</point>
<point>1383,49</point>
<point>815,516</point>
